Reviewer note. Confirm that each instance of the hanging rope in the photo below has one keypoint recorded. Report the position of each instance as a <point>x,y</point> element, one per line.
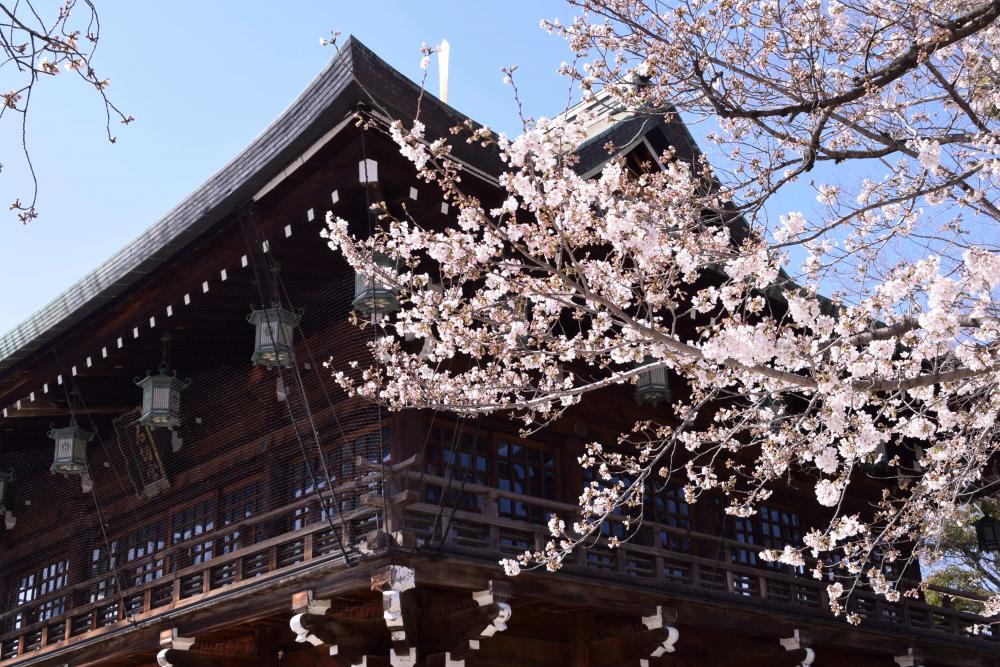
<point>271,295</point>
<point>113,566</point>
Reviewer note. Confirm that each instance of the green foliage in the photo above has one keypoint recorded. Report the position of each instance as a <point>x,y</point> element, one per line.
<point>963,566</point>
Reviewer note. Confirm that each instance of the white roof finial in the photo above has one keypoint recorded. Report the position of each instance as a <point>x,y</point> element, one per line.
<point>444,50</point>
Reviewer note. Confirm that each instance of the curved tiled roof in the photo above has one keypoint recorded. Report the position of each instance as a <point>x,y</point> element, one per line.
<point>354,75</point>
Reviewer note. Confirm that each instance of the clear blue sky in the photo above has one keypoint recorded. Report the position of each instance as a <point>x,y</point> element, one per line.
<point>204,78</point>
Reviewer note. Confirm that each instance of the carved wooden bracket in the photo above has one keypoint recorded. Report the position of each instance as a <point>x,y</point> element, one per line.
<point>633,641</point>
<point>303,603</point>
<point>663,619</point>
<point>396,583</point>
<point>176,651</point>
<point>789,652</point>
<point>170,644</point>
<point>354,641</point>
<point>797,649</point>
<point>460,631</point>
<point>495,598</point>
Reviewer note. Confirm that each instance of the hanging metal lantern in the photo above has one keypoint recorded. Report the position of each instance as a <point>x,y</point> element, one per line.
<point>274,333</point>
<point>988,534</point>
<point>161,394</point>
<point>70,456</point>
<point>161,399</point>
<point>372,295</point>
<point>5,479</point>
<point>651,387</point>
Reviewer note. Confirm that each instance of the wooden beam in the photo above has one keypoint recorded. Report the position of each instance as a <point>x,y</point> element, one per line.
<point>368,635</point>
<point>173,657</point>
<point>176,651</point>
<point>633,646</point>
<point>443,633</point>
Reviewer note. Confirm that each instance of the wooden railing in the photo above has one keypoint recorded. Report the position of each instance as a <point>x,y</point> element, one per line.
<point>684,569</point>
<point>86,608</point>
<point>673,560</point>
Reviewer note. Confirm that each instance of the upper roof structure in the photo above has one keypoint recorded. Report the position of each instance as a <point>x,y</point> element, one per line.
<point>355,76</point>
<point>354,79</point>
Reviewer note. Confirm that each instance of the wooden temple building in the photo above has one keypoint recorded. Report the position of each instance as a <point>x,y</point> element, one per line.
<point>270,520</point>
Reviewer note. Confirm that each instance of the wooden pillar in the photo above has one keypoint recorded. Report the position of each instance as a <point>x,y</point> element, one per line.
<point>409,430</point>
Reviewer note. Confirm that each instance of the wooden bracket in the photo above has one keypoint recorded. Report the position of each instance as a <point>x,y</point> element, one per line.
<point>354,641</point>
<point>304,604</point>
<point>170,643</point>
<point>796,645</point>
<point>397,583</point>
<point>452,638</point>
<point>176,651</point>
<point>630,640</point>
<point>662,619</point>
<point>496,595</point>
<point>172,639</point>
<point>305,601</point>
<point>363,465</point>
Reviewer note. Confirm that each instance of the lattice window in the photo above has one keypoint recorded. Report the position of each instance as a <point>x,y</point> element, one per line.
<point>528,470</point>
<point>236,504</point>
<point>138,546</point>
<point>340,467</point>
<point>39,583</point>
<point>342,464</point>
<point>305,478</point>
<point>665,505</point>
<point>772,528</point>
<point>461,457</point>
<point>103,563</point>
<point>186,525</point>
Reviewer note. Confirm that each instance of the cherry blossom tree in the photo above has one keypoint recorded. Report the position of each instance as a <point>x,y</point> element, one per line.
<point>828,347</point>
<point>37,44</point>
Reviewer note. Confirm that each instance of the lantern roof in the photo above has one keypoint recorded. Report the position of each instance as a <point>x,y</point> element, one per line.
<point>78,433</point>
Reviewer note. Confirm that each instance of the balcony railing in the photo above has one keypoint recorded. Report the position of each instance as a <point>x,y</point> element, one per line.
<point>481,532</point>
<point>486,534</point>
<point>90,610</point>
